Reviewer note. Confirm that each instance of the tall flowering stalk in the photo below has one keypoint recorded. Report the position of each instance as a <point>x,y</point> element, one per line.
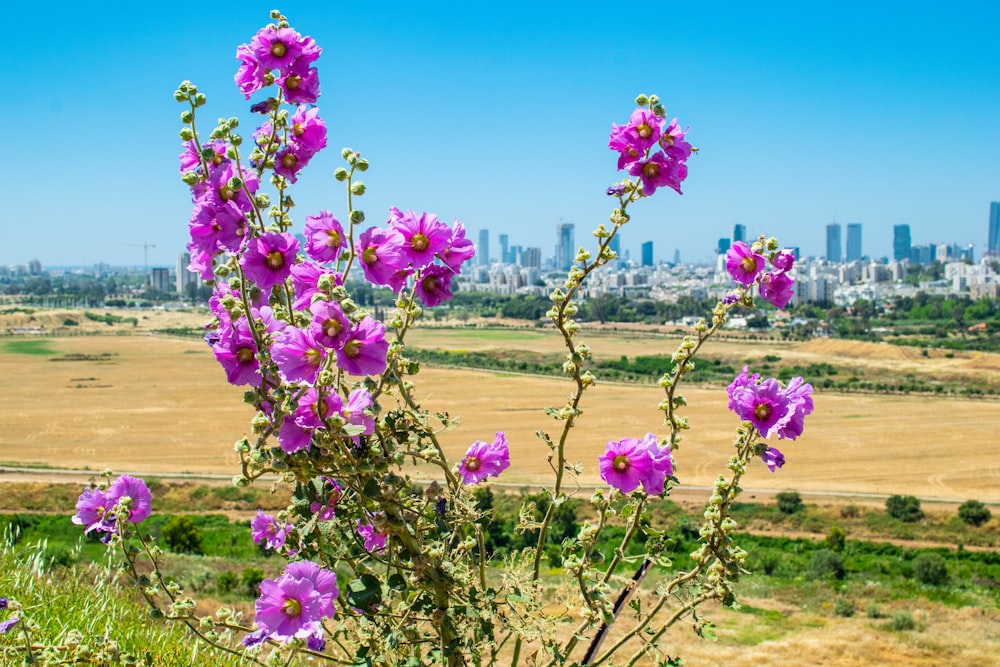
<point>381,570</point>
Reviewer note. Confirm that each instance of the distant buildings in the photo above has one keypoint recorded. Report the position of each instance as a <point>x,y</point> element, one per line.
<point>647,253</point>
<point>901,242</point>
<point>182,276</point>
<point>739,233</point>
<point>833,245</point>
<point>483,251</point>
<point>993,240</point>
<point>565,246</point>
<point>505,250</point>
<point>853,241</point>
<point>723,246</point>
<point>531,258</point>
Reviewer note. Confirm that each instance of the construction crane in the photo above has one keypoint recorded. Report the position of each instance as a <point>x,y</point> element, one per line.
<point>145,257</point>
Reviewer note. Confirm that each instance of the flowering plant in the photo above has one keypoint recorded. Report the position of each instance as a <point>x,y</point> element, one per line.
<point>381,569</point>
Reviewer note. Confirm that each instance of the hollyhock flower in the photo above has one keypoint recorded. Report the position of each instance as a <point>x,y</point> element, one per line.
<point>658,171</point>
<point>4,603</point>
<point>290,160</point>
<point>218,227</point>
<point>93,511</point>
<point>269,258</point>
<point>434,285</point>
<point>323,581</point>
<point>374,540</point>
<point>313,410</point>
<point>380,253</point>
<point>354,413</point>
<point>219,187</point>
<point>673,143</point>
<point>249,77</point>
<point>616,190</point>
<point>741,381</point>
<point>364,349</point>
<point>324,237</point>
<point>776,288</point>
<point>744,264</point>
<point>202,261</point>
<point>190,158</point>
<point>276,48</point>
<point>266,530</point>
<point>621,141</point>
<point>324,510</point>
<point>255,638</point>
<point>329,326</point>
<point>625,464</point>
<point>662,466</point>
<point>783,260</point>
<point>288,607</point>
<point>131,493</point>
<point>799,395</point>
<point>236,351</point>
<point>423,236</point>
<point>772,458</point>
<point>458,249</point>
<point>315,641</point>
<point>293,437</point>
<point>300,83</point>
<point>8,625</point>
<point>307,130</point>
<point>298,356</point>
<point>483,460</point>
<point>764,405</point>
<point>643,129</point>
<point>305,282</point>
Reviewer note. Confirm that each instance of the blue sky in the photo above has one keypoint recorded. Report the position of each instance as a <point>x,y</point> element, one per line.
<point>805,113</point>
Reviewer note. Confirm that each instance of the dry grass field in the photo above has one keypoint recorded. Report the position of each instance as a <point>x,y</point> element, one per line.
<point>151,403</point>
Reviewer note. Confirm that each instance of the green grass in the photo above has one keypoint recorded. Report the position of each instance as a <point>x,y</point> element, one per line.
<point>38,347</point>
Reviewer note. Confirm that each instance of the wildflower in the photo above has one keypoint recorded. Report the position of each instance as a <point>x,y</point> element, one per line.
<point>236,350</point>
<point>298,356</point>
<point>483,460</point>
<point>374,540</point>
<point>300,83</point>
<point>133,494</point>
<point>290,160</point>
<point>783,260</point>
<point>741,381</point>
<point>799,395</point>
<point>329,325</point>
<point>772,458</point>
<point>288,607</point>
<point>625,463</point>
<point>293,437</point>
<point>324,509</point>
<point>93,511</point>
<point>313,409</point>
<point>306,277</point>
<point>4,603</point>
<point>269,258</point>
<point>458,250</point>
<point>764,405</point>
<point>661,468</point>
<point>276,48</point>
<point>423,236</point>
<point>776,288</point>
<point>307,130</point>
<point>364,349</point>
<point>218,227</point>
<point>7,625</point>
<point>380,254</point>
<point>218,189</point>
<point>744,264</point>
<point>358,401</point>
<point>265,529</point>
<point>616,190</point>
<point>434,285</point>
<point>674,144</point>
<point>324,582</point>
<point>657,171</point>
<point>324,237</point>
<point>249,77</point>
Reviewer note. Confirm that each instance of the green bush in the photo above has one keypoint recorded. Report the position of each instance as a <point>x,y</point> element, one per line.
<point>904,508</point>
<point>789,502</point>
<point>827,563</point>
<point>836,539</point>
<point>250,578</point>
<point>902,621</point>
<point>226,582</point>
<point>843,608</point>
<point>181,535</point>
<point>931,569</point>
<point>974,513</point>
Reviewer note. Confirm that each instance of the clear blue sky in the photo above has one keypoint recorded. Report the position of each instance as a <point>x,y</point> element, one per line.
<point>805,113</point>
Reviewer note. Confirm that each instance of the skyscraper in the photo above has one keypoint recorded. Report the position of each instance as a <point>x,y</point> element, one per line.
<point>504,250</point>
<point>483,251</point>
<point>565,249</point>
<point>739,233</point>
<point>834,254</point>
<point>183,277</point>
<point>900,242</point>
<point>853,241</point>
<point>993,241</point>
<point>723,246</point>
<point>531,258</point>
<point>647,253</point>
<point>616,244</point>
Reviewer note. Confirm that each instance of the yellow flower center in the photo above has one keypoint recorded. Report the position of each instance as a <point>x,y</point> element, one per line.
<point>369,256</point>
<point>620,463</point>
<point>275,259</point>
<point>288,161</point>
<point>352,348</point>
<point>293,81</point>
<point>472,463</point>
<point>332,238</point>
<point>643,130</point>
<point>762,411</point>
<point>314,357</point>
<point>431,283</point>
<point>332,327</point>
<point>278,50</point>
<point>748,264</point>
<point>651,170</point>
<point>226,193</point>
<point>291,607</point>
<point>298,130</point>
<point>419,242</point>
<point>244,355</point>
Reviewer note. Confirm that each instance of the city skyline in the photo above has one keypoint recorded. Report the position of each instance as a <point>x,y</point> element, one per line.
<point>499,116</point>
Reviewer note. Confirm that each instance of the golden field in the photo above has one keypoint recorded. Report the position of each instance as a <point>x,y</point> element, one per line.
<point>158,404</point>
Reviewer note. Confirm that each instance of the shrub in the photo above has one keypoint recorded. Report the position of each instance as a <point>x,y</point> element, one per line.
<point>250,578</point>
<point>181,535</point>
<point>789,502</point>
<point>850,511</point>
<point>836,539</point>
<point>843,608</point>
<point>931,569</point>
<point>902,621</point>
<point>904,508</point>
<point>226,582</point>
<point>827,563</point>
<point>974,513</point>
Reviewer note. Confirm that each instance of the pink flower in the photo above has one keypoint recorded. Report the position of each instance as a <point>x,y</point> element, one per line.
<point>216,228</point>
<point>625,463</point>
<point>662,466</point>
<point>300,83</point>
<point>434,285</point>
<point>290,160</point>
<point>298,356</point>
<point>93,511</point>
<point>323,581</point>
<point>236,350</point>
<point>620,141</point>
<point>269,258</point>
<point>783,260</point>
<point>458,250</point>
<point>764,405</point>
<point>483,460</point>
<point>219,187</point>
<point>354,413</point>
<point>276,48</point>
<point>305,281</point>
<point>643,129</point>
<point>772,458</point>
<point>744,264</point>
<point>776,288</point>
<point>289,607</point>
<point>673,143</point>
<point>423,236</point>
<point>131,492</point>
<point>329,326</point>
<point>741,381</point>
<point>293,437</point>
<point>324,237</point>
<point>250,76</point>
<point>374,540</point>
<point>266,530</point>
<point>380,253</point>
<point>364,349</point>
<point>800,397</point>
<point>658,171</point>
<point>307,130</point>
<point>313,410</point>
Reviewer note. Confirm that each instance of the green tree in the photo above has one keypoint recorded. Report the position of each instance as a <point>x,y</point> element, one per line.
<point>974,513</point>
<point>904,508</point>
<point>789,502</point>
<point>181,535</point>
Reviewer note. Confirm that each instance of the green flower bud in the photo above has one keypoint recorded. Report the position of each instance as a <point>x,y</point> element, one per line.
<point>340,174</point>
<point>236,139</point>
<point>187,116</point>
<point>187,134</point>
<point>234,122</point>
<point>242,446</point>
<point>179,96</point>
<point>641,100</point>
<point>200,99</point>
<point>654,99</point>
<point>240,482</point>
<point>189,177</point>
<point>357,188</point>
<point>362,165</point>
<point>357,217</point>
<point>346,153</point>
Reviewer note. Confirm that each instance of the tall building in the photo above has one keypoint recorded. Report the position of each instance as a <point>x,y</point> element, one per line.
<point>531,258</point>
<point>483,251</point>
<point>565,248</point>
<point>834,252</point>
<point>901,242</point>
<point>159,279</point>
<point>739,233</point>
<point>183,276</point>
<point>647,253</point>
<point>505,250</point>
<point>853,241</point>
<point>993,241</point>
<point>723,246</point>
<point>616,244</point>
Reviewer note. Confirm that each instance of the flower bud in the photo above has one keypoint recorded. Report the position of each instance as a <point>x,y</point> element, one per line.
<point>340,174</point>
<point>200,99</point>
<point>189,177</point>
<point>180,96</point>
<point>357,188</point>
<point>241,482</point>
<point>187,116</point>
<point>346,153</point>
<point>654,99</point>
<point>357,217</point>
<point>242,446</point>
<point>187,134</point>
<point>641,100</point>
<point>234,122</point>
<point>362,165</point>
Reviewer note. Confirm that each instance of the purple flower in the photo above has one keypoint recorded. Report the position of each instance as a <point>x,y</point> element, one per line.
<point>764,405</point>
<point>620,141</point>
<point>305,282</point>
<point>219,189</point>
<point>324,582</point>
<point>364,349</point>
<point>266,530</point>
<point>662,466</point>
<point>132,493</point>
<point>616,190</point>
<point>373,539</point>
<point>269,258</point>
<point>483,460</point>
<point>329,325</point>
<point>298,356</point>
<point>289,607</point>
<point>300,83</point>
<point>313,411</point>
<point>236,350</point>
<point>741,381</point>
<point>294,437</point>
<point>4,603</point>
<point>276,48</point>
<point>324,510</point>
<point>250,76</point>
<point>255,638</point>
<point>673,143</point>
<point>324,237</point>
<point>643,129</point>
<point>744,264</point>
<point>776,288</point>
<point>7,625</point>
<point>657,171</point>
<point>459,249</point>
<point>625,464</point>
<point>783,260</point>
<point>265,107</point>
<point>434,285</point>
<point>290,160</point>
<point>772,458</point>
<point>93,511</point>
<point>216,228</point>
<point>800,397</point>
<point>307,130</point>
<point>729,299</point>
<point>354,413</point>
<point>380,253</point>
<point>315,642</point>
<point>423,236</point>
